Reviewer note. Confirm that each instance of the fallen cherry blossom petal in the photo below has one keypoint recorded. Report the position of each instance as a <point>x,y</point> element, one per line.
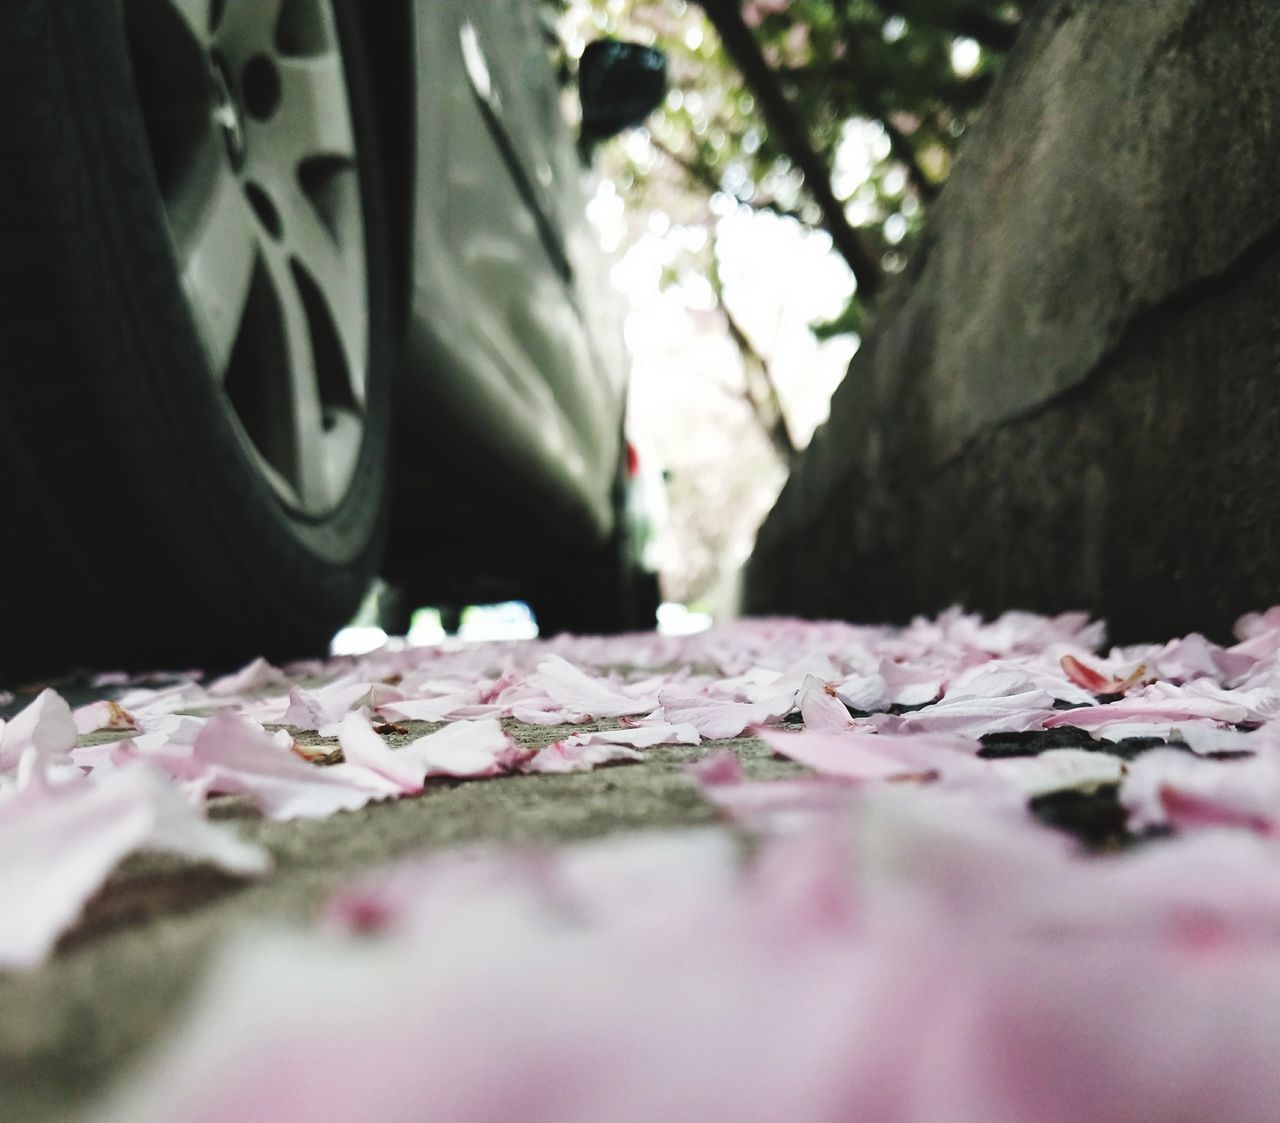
<point>756,802</point>
<point>974,717</point>
<point>106,715</point>
<point>1057,769</point>
<point>583,693</point>
<point>45,726</point>
<point>467,750</point>
<point>639,736</point>
<point>822,708</point>
<point>1089,679</point>
<point>875,974</point>
<point>649,735</point>
<point>1202,736</point>
<point>58,844</point>
<point>430,709</point>
<point>364,748</point>
<point>909,685</point>
<point>253,676</point>
<point>767,802</point>
<point>565,756</point>
<point>1083,676</point>
<point>1166,788</point>
<point>718,769</point>
<point>241,758</point>
<point>867,693</point>
<point>305,711</point>
<point>1137,708</point>
<point>1193,656</point>
<point>717,719</point>
<point>873,756</point>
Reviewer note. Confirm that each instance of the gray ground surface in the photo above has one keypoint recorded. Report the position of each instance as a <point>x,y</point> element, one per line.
<point>121,976</point>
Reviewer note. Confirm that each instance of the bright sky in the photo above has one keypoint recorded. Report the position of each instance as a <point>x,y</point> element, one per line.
<point>686,412</point>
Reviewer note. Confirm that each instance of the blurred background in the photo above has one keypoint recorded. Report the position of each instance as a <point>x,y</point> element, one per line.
<point>754,220</point>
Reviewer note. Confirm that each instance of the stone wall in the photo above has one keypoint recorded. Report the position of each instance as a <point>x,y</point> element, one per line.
<point>1072,396</point>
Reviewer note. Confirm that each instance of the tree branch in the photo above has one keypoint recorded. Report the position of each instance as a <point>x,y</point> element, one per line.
<point>792,138</point>
<point>768,412</point>
<point>904,151</point>
<point>700,173</point>
<point>973,23</point>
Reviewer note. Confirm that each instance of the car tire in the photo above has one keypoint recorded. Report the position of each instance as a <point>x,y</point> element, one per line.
<point>610,596</point>
<point>173,497</point>
<point>604,592</point>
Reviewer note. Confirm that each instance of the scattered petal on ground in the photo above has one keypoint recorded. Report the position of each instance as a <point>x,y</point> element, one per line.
<point>843,971</point>
<point>584,751</point>
<point>240,758</point>
<point>46,728</point>
<point>1190,793</point>
<point>59,841</point>
<point>871,756</point>
<point>970,882</point>
<point>718,718</point>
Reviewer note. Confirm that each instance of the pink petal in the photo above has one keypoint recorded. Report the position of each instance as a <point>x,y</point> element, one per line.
<point>1193,656</point>
<point>1167,787</point>
<point>719,769</point>
<point>575,690</point>
<point>106,715</point>
<point>1058,769</point>
<point>868,693</point>
<point>363,748</point>
<point>429,709</point>
<point>252,676</point>
<point>243,759</point>
<point>305,711</point>
<point>58,845</point>
<point>1159,702</point>
<point>46,726</point>
<point>822,709</point>
<point>764,802</point>
<point>873,756</point>
<point>974,717</point>
<point>716,719</point>
<point>910,685</point>
<point>640,736</point>
<point>564,756</point>
<point>466,750</point>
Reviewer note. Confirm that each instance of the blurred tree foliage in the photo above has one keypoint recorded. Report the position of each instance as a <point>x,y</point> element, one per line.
<point>844,115</point>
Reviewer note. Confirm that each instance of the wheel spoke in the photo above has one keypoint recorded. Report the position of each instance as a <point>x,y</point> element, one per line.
<point>313,474</point>
<point>268,228</point>
<point>197,16</point>
<point>216,254</point>
<point>338,274</point>
<point>314,118</point>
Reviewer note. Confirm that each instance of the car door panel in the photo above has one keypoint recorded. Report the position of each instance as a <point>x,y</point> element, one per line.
<point>497,332</point>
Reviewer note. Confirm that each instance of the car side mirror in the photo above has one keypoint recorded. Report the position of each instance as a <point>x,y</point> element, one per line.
<point>619,85</point>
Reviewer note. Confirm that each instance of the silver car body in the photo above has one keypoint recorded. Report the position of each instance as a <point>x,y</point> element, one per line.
<point>512,319</point>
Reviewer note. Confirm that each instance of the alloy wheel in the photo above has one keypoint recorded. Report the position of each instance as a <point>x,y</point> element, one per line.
<point>249,123</point>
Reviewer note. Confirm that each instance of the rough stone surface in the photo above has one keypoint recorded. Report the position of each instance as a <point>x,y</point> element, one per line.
<point>1069,399</point>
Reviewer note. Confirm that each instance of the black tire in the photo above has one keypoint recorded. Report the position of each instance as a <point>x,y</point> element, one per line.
<point>604,592</point>
<point>139,530</point>
<point>395,610</point>
<point>450,618</point>
<point>610,596</point>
